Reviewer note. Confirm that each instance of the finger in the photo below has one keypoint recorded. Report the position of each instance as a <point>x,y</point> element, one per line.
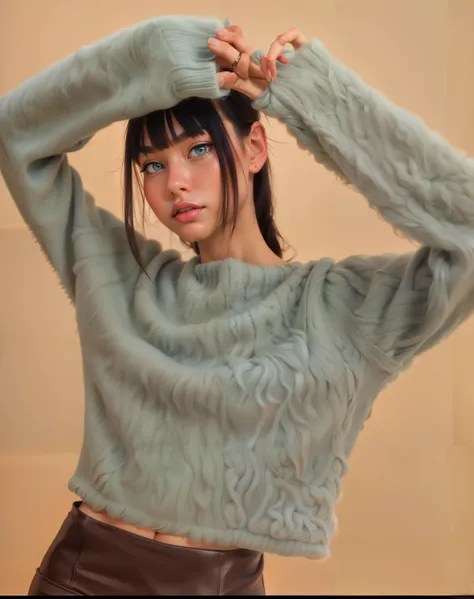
<point>227,54</point>
<point>235,39</point>
<point>238,31</point>
<point>252,88</point>
<point>235,29</point>
<point>227,79</point>
<point>264,67</point>
<point>293,36</point>
<point>255,72</point>
<point>269,67</point>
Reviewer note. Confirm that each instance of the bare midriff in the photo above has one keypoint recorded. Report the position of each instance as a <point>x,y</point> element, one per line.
<point>148,533</point>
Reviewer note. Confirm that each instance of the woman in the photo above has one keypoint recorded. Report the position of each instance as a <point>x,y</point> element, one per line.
<point>224,394</point>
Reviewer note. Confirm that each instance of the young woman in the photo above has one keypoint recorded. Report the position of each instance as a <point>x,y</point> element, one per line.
<point>224,394</point>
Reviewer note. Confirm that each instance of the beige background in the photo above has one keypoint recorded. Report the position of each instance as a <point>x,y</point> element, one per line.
<point>406,521</point>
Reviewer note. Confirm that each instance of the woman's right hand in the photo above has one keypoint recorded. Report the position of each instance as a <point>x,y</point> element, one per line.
<point>249,78</point>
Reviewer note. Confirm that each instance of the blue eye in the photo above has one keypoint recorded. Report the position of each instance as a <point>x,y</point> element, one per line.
<point>145,168</point>
<point>206,147</point>
<point>202,146</point>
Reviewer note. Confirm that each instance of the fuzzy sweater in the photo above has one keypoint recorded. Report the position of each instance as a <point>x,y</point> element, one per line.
<point>223,399</point>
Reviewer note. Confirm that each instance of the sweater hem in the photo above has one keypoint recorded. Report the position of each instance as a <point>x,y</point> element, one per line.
<point>243,539</point>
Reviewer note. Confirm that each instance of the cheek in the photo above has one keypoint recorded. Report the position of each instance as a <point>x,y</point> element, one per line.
<point>204,185</point>
<point>210,177</point>
<point>155,197</point>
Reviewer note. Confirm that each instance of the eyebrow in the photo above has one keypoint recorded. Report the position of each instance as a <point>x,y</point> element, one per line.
<point>150,149</point>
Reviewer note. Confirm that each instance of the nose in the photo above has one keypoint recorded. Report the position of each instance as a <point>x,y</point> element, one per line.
<point>178,177</point>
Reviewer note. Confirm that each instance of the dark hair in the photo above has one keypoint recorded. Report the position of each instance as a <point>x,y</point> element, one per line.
<point>197,115</point>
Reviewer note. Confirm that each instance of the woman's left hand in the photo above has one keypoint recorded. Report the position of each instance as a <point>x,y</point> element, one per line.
<point>249,78</point>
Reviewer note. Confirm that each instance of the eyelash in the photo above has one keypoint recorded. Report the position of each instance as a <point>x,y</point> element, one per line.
<point>145,166</point>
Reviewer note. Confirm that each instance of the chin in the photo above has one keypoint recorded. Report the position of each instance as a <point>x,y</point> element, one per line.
<point>194,234</point>
<point>196,231</point>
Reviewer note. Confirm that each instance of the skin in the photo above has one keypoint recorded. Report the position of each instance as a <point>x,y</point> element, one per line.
<point>190,171</point>
<point>186,173</point>
<point>248,77</point>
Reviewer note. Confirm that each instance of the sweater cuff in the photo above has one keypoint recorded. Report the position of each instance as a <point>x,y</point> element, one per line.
<point>300,61</point>
<point>195,66</point>
<point>198,81</point>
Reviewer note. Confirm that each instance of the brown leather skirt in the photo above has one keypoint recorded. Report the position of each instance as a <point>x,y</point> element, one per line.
<point>88,557</point>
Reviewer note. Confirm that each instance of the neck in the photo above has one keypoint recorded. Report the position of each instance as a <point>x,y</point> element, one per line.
<point>246,244</point>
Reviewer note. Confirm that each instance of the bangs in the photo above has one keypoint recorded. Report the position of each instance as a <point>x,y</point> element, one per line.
<point>195,115</point>
<point>198,116</point>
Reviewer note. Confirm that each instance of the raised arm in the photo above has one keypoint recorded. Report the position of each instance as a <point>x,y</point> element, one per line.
<point>149,66</point>
<point>412,177</point>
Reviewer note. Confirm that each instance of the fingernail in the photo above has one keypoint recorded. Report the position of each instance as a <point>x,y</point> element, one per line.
<point>221,31</point>
<point>220,80</point>
<point>212,41</point>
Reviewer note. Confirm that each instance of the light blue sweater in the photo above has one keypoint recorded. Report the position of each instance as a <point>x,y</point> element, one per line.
<point>223,400</point>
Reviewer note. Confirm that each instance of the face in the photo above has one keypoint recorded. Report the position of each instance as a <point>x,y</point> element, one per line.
<point>190,172</point>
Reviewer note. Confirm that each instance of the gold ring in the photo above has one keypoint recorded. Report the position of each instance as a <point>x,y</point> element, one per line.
<point>236,61</point>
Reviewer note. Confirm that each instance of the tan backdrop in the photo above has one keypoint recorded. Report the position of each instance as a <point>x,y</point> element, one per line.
<point>406,521</point>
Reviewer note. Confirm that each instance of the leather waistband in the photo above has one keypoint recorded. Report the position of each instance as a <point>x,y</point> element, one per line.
<point>148,533</point>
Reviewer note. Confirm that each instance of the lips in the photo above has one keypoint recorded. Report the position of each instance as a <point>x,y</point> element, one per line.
<point>188,215</point>
<point>183,205</point>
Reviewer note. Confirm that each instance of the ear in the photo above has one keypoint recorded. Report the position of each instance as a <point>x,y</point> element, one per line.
<point>257,147</point>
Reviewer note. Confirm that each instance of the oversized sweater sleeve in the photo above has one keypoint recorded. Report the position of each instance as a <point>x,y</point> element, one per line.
<point>150,66</point>
<point>400,304</point>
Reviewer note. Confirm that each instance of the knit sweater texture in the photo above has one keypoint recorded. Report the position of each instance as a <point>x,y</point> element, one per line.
<point>223,399</point>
